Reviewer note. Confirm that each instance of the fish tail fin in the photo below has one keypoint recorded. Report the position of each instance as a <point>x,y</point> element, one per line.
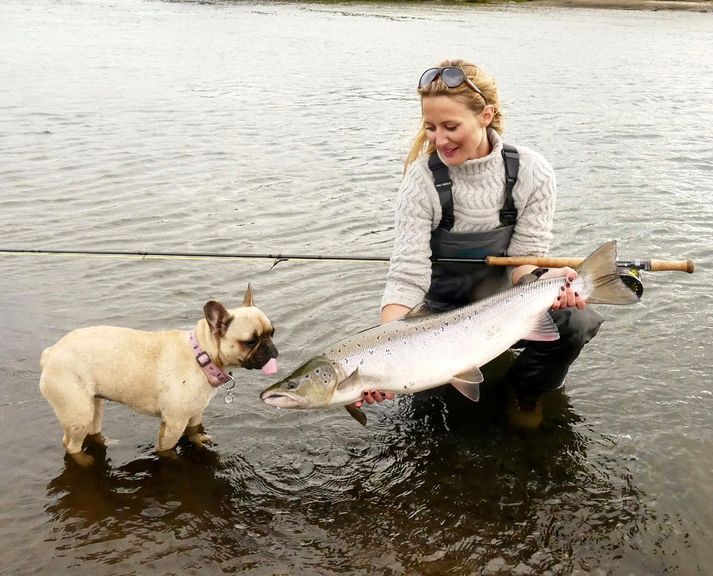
<point>599,274</point>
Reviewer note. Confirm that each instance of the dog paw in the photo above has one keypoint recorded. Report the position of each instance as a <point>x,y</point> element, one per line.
<point>201,439</point>
<point>168,455</point>
<point>84,460</point>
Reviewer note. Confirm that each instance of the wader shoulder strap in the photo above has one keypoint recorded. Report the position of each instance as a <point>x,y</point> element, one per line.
<point>444,186</point>
<point>508,213</point>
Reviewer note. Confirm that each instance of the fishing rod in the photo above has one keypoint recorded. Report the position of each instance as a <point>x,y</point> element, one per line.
<point>541,261</point>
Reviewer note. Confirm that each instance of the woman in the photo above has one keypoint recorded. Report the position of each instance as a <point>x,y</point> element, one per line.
<point>465,195</point>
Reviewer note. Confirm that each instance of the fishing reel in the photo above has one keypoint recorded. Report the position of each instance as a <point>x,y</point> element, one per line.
<point>632,278</point>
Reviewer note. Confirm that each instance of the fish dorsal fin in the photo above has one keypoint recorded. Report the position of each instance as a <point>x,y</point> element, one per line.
<point>419,311</point>
<point>349,380</point>
<point>544,330</point>
<point>468,383</point>
<point>357,414</point>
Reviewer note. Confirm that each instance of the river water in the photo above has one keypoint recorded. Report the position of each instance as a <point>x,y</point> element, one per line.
<point>280,128</point>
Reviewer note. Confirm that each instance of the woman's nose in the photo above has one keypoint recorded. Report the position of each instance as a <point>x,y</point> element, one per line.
<point>441,137</point>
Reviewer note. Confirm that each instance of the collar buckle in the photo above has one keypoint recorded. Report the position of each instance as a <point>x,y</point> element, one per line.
<point>203,359</point>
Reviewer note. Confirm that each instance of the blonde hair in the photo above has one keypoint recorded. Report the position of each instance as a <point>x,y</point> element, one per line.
<point>474,101</point>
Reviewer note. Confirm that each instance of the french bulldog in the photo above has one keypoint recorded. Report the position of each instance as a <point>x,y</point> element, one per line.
<point>172,374</point>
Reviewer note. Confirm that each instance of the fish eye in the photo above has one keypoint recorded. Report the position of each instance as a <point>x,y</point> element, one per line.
<point>291,385</point>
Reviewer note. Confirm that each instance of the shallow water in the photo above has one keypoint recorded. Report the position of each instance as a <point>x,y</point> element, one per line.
<point>280,128</point>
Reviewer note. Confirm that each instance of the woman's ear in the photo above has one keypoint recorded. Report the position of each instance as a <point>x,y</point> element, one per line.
<point>487,114</point>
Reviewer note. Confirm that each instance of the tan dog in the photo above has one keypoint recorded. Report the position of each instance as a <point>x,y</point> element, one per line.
<point>171,374</point>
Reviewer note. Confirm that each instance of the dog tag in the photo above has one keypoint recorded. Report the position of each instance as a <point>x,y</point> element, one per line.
<point>229,389</point>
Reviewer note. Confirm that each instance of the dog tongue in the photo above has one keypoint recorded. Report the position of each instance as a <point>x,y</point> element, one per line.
<point>270,368</point>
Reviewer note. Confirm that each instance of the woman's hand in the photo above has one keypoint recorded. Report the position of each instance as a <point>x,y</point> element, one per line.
<point>373,396</point>
<point>567,297</point>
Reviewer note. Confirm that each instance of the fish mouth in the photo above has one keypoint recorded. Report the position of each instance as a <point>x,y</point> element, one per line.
<point>281,399</point>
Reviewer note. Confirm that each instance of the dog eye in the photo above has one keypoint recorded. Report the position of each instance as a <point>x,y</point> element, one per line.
<point>250,343</point>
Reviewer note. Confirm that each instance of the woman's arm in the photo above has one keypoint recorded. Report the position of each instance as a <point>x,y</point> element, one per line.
<point>409,274</point>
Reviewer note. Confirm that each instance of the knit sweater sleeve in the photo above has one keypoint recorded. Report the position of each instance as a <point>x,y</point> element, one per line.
<point>417,210</point>
<point>534,195</point>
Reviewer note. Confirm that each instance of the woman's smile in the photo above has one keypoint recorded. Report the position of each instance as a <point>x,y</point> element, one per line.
<point>449,152</point>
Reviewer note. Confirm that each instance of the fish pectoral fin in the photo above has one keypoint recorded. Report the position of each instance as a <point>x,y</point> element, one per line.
<point>468,383</point>
<point>419,311</point>
<point>544,330</point>
<point>472,376</point>
<point>357,414</point>
<point>350,380</point>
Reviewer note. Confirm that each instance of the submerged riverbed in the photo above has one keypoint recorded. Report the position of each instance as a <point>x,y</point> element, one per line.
<point>281,128</point>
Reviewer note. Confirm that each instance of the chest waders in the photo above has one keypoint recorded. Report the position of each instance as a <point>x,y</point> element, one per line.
<point>541,366</point>
<point>458,284</point>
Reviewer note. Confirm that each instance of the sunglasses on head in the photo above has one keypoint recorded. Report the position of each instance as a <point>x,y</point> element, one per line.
<point>451,76</point>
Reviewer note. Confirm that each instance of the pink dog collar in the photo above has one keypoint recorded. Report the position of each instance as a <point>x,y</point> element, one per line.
<point>216,377</point>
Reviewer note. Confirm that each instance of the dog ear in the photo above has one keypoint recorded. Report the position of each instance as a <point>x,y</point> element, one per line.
<point>218,318</point>
<point>248,300</point>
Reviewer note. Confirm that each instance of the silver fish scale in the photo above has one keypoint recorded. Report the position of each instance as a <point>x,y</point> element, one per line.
<point>417,353</point>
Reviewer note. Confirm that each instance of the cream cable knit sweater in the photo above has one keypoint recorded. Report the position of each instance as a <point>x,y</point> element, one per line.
<point>478,195</point>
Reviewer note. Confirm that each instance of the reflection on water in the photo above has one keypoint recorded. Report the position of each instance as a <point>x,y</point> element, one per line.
<point>144,488</point>
<point>500,497</point>
<point>448,488</point>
